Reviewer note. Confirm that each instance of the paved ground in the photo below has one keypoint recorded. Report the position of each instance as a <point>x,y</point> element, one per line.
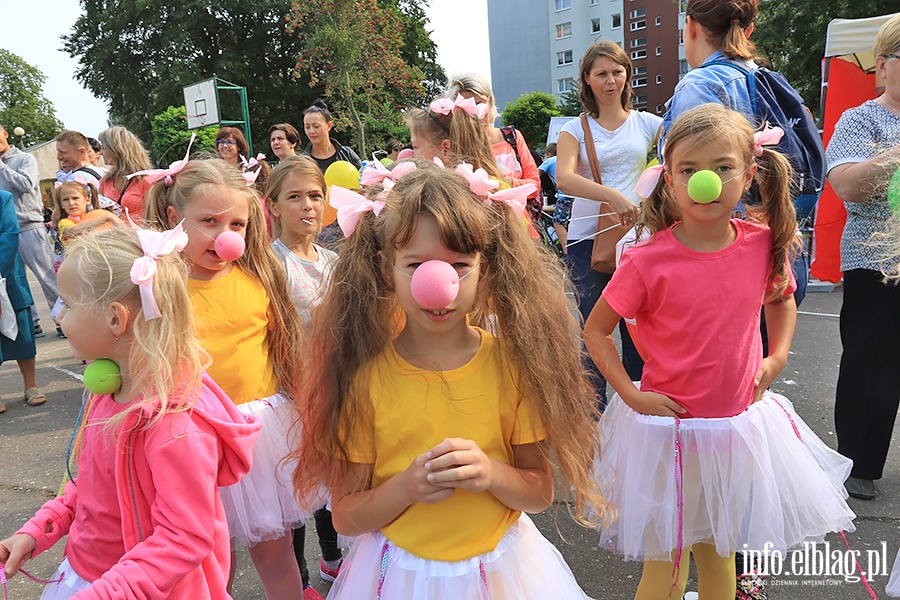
<point>33,445</point>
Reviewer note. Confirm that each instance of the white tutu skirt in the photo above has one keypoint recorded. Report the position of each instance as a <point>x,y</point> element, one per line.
<point>761,477</point>
<point>66,583</point>
<point>262,506</point>
<point>523,566</point>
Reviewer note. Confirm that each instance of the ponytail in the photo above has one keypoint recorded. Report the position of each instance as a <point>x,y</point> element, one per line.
<point>470,145</point>
<point>725,25</point>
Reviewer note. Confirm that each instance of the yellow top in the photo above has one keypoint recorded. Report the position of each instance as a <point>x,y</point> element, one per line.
<point>413,410</point>
<point>232,318</point>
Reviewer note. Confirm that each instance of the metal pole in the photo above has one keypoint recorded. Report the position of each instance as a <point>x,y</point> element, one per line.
<point>245,109</point>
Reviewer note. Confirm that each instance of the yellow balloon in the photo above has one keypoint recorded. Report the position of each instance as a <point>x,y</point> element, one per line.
<point>342,173</point>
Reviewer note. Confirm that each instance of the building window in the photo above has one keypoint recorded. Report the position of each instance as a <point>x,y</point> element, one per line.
<point>658,21</point>
<point>659,79</point>
<point>563,4</point>
<point>638,25</point>
<point>564,58</point>
<point>617,20</point>
<point>683,67</point>
<point>565,85</point>
<point>595,2</point>
<point>637,82</point>
<point>564,30</point>
<point>595,25</point>
<point>659,50</point>
<point>638,42</point>
<point>681,37</point>
<point>638,13</point>
<point>682,6</point>
<point>642,70</point>
<point>636,54</point>
<point>659,108</point>
<point>640,100</point>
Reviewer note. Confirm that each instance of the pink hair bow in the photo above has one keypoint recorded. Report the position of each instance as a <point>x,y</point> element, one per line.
<point>768,136</point>
<point>646,183</point>
<point>445,106</point>
<point>479,181</point>
<point>375,172</point>
<point>250,176</point>
<point>350,207</point>
<point>481,185</point>
<point>249,164</point>
<point>155,244</point>
<point>154,175</point>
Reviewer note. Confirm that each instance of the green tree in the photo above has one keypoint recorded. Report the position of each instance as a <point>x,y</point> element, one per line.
<point>530,113</point>
<point>138,55</point>
<point>569,105</point>
<point>171,136</point>
<point>792,36</point>
<point>418,48</point>
<point>22,102</point>
<point>351,49</point>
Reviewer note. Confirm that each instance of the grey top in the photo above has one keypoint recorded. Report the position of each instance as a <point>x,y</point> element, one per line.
<point>19,176</point>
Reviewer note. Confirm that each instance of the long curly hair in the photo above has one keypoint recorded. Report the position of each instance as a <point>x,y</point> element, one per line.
<point>522,294</point>
<point>713,122</point>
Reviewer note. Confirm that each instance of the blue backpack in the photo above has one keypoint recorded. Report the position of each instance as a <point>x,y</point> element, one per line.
<point>776,102</point>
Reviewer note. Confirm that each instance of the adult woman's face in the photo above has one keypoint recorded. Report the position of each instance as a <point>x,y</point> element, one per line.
<point>280,145</point>
<point>606,78</point>
<point>316,128</point>
<point>888,68</point>
<point>228,149</point>
<point>108,157</point>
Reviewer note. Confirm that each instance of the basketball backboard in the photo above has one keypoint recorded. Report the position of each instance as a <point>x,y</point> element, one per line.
<point>202,103</point>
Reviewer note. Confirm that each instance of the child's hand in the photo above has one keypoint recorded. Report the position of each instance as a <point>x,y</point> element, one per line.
<point>417,486</point>
<point>459,463</point>
<point>16,550</point>
<point>769,369</point>
<point>651,403</point>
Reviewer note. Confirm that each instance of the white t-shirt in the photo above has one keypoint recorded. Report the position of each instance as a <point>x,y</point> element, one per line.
<point>622,157</point>
<point>307,280</point>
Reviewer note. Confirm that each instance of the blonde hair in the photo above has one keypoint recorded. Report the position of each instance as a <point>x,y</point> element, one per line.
<point>130,154</point>
<point>259,260</point>
<point>611,51</point>
<point>474,84</point>
<point>300,165</point>
<point>165,360</point>
<point>887,40</point>
<point>468,141</point>
<point>88,191</point>
<point>710,123</point>
<point>358,318</point>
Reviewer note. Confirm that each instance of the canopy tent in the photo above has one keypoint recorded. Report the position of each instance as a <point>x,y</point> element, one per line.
<point>848,80</point>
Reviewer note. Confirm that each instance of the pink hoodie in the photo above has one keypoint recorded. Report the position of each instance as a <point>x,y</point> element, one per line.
<point>173,523</point>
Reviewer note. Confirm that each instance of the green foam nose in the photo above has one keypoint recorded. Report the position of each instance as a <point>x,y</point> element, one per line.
<point>704,186</point>
<point>894,192</point>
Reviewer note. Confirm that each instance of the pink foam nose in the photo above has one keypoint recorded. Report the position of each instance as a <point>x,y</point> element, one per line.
<point>435,284</point>
<point>230,245</point>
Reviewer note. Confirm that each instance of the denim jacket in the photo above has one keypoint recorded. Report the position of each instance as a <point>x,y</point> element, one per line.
<point>717,84</point>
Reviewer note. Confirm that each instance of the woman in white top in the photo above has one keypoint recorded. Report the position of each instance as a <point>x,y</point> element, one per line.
<point>623,137</point>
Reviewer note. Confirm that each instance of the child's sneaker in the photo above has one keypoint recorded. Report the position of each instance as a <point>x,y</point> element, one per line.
<point>38,331</point>
<point>310,593</point>
<point>326,572</point>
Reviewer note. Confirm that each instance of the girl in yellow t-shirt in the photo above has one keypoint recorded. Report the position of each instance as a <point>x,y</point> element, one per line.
<point>245,320</point>
<point>436,441</point>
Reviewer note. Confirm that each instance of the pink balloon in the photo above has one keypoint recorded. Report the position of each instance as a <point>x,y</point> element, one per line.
<point>435,284</point>
<point>230,245</point>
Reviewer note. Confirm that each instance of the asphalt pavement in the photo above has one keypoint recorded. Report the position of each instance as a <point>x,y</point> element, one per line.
<point>33,443</point>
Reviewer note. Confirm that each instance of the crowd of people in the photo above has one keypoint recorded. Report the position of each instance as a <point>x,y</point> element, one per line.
<point>423,383</point>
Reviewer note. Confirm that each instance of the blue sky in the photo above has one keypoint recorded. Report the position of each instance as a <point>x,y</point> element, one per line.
<point>32,29</point>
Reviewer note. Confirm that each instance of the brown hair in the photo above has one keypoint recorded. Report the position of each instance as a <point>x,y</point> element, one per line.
<point>290,132</point>
<point>301,165</point>
<point>712,122</point>
<point>259,260</point>
<point>237,135</point>
<point>357,320</point>
<point>724,22</point>
<point>468,141</point>
<point>613,52</point>
<point>88,190</point>
<point>74,139</point>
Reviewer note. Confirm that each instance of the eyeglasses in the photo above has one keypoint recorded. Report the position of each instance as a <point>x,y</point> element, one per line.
<point>226,143</point>
<point>891,55</point>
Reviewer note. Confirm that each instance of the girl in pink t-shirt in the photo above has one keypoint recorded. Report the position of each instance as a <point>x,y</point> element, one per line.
<point>699,457</point>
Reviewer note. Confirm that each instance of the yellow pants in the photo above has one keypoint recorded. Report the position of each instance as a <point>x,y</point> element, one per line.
<point>715,575</point>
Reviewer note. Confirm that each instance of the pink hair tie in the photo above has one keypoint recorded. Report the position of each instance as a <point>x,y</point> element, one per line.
<point>248,164</point>
<point>481,185</point>
<point>768,136</point>
<point>479,181</point>
<point>375,172</point>
<point>155,245</point>
<point>154,175</point>
<point>445,106</point>
<point>350,207</point>
<point>646,183</point>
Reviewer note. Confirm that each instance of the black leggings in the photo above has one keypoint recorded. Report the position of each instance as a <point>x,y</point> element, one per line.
<point>327,542</point>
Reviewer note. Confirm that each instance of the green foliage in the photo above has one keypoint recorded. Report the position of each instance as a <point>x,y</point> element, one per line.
<point>530,113</point>
<point>792,36</point>
<point>569,104</point>
<point>22,102</point>
<point>171,136</point>
<point>418,48</point>
<point>352,50</point>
